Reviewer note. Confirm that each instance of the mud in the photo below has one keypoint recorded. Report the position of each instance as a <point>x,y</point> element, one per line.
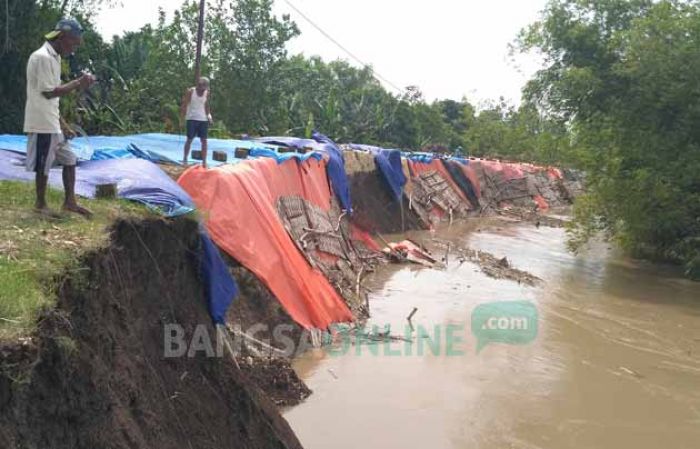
<point>276,377</point>
<point>374,209</point>
<point>256,306</point>
<point>535,217</point>
<point>95,375</point>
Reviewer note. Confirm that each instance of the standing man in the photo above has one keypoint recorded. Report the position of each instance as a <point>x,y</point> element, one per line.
<point>45,129</point>
<point>195,108</point>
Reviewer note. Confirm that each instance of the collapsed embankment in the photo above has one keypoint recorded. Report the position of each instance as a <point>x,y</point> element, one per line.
<point>310,223</point>
<point>94,374</point>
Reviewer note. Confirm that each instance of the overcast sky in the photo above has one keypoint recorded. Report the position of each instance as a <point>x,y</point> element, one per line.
<point>449,48</point>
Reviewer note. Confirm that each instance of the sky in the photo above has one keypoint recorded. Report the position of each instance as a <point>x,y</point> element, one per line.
<point>448,48</point>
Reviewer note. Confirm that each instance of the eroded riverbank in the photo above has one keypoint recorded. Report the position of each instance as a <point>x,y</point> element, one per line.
<point>616,362</point>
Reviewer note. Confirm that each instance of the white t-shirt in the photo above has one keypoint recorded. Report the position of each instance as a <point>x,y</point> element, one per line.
<point>196,110</point>
<point>41,115</point>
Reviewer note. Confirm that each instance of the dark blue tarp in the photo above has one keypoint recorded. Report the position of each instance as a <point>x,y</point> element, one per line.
<point>219,285</point>
<point>389,165</point>
<point>458,176</point>
<point>336,164</point>
<point>142,181</point>
<point>336,170</point>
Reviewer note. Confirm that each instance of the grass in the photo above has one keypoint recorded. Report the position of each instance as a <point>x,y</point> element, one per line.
<point>35,250</point>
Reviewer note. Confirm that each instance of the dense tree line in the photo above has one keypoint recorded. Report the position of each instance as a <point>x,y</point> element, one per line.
<point>619,97</point>
<point>257,88</point>
<point>623,77</point>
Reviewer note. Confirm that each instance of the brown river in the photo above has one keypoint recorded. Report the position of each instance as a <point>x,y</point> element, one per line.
<point>615,363</point>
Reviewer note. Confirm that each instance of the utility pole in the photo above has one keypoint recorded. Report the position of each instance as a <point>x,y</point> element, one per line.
<point>200,36</point>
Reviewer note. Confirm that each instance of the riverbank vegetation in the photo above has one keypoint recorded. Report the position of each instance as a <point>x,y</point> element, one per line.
<point>622,76</point>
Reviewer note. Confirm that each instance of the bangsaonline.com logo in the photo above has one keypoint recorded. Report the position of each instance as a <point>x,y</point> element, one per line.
<point>505,322</point>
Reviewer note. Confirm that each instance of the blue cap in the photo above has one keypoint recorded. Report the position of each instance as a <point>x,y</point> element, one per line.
<point>69,26</point>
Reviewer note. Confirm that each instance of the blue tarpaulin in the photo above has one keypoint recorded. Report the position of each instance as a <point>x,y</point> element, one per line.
<point>136,179</point>
<point>336,170</point>
<point>464,184</point>
<point>154,147</point>
<point>281,157</point>
<point>219,286</point>
<point>336,163</point>
<point>425,158</point>
<point>171,146</point>
<point>142,181</point>
<point>13,143</point>
<point>389,165</point>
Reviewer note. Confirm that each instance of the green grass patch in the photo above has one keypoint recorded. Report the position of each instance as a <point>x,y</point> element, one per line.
<point>34,250</point>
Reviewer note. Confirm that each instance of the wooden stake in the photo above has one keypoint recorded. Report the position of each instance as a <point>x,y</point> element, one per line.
<point>227,344</point>
<point>200,36</point>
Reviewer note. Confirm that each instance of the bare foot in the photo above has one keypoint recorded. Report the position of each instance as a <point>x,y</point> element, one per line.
<point>75,208</point>
<point>45,212</point>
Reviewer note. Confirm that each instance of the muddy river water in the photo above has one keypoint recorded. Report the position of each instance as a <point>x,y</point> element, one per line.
<point>615,364</point>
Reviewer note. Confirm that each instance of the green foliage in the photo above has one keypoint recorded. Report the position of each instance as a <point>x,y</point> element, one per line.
<point>256,87</point>
<point>519,134</point>
<point>21,34</point>
<point>623,76</point>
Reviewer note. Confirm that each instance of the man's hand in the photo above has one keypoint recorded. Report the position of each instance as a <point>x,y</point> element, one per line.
<point>86,80</point>
<point>211,120</point>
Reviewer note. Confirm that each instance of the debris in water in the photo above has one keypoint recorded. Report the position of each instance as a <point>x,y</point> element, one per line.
<point>413,312</point>
<point>528,215</point>
<point>409,251</point>
<point>631,372</point>
<point>492,266</point>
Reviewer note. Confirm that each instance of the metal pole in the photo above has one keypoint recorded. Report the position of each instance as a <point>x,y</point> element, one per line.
<point>200,35</point>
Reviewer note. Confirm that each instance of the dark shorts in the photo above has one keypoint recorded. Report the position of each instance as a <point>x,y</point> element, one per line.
<point>196,128</point>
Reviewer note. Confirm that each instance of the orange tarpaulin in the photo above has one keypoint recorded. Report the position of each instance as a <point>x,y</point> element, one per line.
<point>554,173</point>
<point>507,170</point>
<point>363,236</point>
<point>541,202</point>
<point>238,203</point>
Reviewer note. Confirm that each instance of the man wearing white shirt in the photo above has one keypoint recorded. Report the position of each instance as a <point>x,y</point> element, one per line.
<point>195,109</point>
<point>45,129</point>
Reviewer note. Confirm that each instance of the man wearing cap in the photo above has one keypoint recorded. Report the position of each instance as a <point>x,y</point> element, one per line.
<point>45,129</point>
